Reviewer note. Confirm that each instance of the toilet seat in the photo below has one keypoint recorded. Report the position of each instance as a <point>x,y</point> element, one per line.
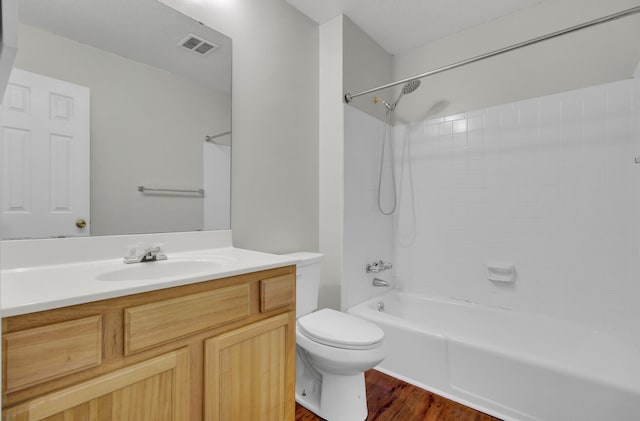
<point>340,330</point>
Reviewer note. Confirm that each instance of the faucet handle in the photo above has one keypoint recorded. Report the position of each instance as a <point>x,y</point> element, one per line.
<point>132,252</point>
<point>379,266</point>
<point>160,255</point>
<point>373,267</point>
<point>155,248</point>
<point>155,252</point>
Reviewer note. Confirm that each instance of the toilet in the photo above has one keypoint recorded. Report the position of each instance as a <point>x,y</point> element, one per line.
<point>333,350</point>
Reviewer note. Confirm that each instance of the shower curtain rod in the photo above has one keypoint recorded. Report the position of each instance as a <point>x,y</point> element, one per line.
<point>628,12</point>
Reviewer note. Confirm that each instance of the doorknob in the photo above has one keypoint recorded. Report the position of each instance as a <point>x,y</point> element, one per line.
<point>81,223</point>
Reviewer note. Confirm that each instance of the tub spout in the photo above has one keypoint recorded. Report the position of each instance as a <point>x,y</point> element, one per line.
<point>377,282</point>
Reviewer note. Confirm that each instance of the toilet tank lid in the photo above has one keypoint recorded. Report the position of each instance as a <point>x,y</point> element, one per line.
<point>305,258</point>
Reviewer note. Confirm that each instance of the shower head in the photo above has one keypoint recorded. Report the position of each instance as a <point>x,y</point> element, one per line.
<point>406,89</point>
<point>410,86</point>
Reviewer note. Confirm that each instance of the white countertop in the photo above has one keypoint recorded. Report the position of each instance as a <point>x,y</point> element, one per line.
<point>31,289</point>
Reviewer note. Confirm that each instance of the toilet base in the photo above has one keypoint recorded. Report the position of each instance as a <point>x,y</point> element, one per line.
<point>339,398</point>
<point>344,398</point>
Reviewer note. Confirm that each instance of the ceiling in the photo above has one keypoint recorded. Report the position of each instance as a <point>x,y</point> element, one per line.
<point>402,25</point>
<point>146,31</point>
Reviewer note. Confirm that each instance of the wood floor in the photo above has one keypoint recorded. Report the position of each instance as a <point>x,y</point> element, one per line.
<point>391,399</point>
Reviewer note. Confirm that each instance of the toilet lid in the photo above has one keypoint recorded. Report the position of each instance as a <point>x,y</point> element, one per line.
<point>340,330</point>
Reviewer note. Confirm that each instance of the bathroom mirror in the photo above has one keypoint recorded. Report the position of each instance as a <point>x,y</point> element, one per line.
<point>134,130</point>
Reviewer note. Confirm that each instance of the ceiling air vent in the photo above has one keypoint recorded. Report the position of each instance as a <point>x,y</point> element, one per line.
<point>197,44</point>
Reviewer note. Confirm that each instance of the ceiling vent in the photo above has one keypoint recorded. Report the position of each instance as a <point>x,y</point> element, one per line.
<point>197,45</point>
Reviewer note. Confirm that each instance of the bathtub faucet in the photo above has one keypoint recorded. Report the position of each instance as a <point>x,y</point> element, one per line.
<point>377,282</point>
<point>378,266</point>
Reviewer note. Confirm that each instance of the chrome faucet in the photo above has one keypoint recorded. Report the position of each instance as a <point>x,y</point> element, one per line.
<point>377,282</point>
<point>148,254</point>
<point>378,266</point>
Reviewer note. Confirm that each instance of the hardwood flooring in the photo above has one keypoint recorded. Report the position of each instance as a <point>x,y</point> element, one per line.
<point>391,399</point>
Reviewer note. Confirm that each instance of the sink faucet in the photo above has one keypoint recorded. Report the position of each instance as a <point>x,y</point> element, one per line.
<point>148,254</point>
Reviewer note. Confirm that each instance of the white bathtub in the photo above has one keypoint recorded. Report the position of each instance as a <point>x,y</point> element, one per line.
<point>508,364</point>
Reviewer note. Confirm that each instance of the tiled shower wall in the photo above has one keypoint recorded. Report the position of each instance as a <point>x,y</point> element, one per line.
<point>548,184</point>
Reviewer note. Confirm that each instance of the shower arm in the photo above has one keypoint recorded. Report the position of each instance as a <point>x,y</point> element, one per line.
<point>348,97</point>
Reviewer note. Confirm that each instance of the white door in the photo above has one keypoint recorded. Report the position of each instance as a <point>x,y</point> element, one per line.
<point>44,148</point>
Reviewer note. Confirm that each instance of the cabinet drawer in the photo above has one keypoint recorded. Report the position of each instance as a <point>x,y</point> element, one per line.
<point>48,352</point>
<point>156,323</point>
<point>277,292</point>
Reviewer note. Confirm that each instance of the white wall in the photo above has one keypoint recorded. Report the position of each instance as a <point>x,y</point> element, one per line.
<point>601,54</point>
<point>139,133</point>
<point>547,183</point>
<point>368,235</point>
<point>624,320</point>
<point>365,65</point>
<point>274,190</point>
<point>349,60</point>
<point>331,154</point>
<point>8,42</point>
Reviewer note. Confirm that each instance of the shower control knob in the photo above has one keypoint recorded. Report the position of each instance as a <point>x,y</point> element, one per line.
<point>377,267</point>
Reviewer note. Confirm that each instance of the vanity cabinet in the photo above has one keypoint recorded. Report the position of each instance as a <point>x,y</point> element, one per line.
<point>215,350</point>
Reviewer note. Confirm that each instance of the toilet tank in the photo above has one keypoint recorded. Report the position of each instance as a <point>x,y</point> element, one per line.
<point>307,281</point>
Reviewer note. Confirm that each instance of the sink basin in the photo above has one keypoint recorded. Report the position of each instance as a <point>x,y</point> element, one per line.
<point>161,269</point>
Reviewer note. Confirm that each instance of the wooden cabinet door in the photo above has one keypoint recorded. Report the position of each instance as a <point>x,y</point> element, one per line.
<point>154,390</point>
<point>249,372</point>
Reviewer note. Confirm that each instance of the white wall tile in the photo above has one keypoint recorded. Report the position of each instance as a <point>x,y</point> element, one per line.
<point>547,183</point>
<point>445,128</point>
<point>459,126</point>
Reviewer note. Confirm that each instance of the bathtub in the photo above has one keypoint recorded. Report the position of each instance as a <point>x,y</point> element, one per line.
<point>512,365</point>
